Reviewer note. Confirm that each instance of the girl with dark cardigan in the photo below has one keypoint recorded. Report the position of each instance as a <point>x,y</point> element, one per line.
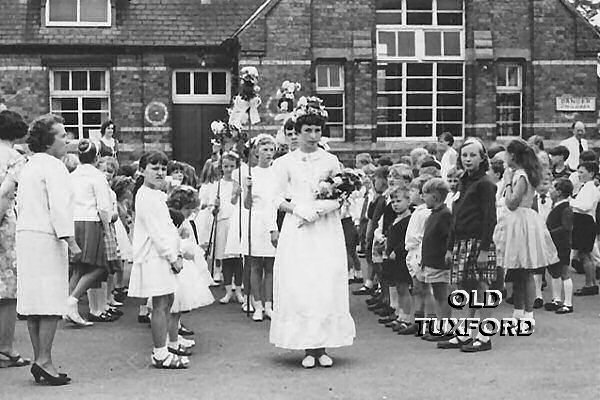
<point>471,249</point>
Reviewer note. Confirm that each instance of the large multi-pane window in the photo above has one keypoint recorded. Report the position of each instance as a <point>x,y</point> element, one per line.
<point>509,99</point>
<point>82,98</point>
<point>201,86</point>
<point>419,99</point>
<point>78,13</point>
<point>420,54</point>
<point>330,88</point>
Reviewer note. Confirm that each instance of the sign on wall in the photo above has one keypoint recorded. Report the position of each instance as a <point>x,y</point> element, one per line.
<point>575,103</point>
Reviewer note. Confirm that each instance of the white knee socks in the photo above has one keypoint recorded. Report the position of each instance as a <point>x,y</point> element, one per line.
<point>556,289</point>
<point>538,286</point>
<point>568,285</point>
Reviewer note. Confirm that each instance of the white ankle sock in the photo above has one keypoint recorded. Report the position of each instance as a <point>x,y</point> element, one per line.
<point>556,289</point>
<point>92,295</point>
<point>143,310</point>
<point>174,344</point>
<point>482,338</point>
<point>518,313</point>
<point>72,301</point>
<point>160,352</point>
<point>568,285</point>
<point>394,298</point>
<point>538,286</point>
<point>528,314</point>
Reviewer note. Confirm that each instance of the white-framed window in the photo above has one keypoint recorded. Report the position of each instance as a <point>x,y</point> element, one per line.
<point>420,76</point>
<point>509,99</point>
<point>420,100</point>
<point>82,98</point>
<point>78,13</point>
<point>330,88</point>
<point>419,12</point>
<point>201,86</point>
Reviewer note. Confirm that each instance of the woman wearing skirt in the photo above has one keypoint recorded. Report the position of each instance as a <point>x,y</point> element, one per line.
<point>44,231</point>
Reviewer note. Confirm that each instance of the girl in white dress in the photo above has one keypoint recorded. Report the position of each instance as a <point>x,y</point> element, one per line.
<point>192,290</point>
<point>527,242</point>
<point>217,198</point>
<point>156,257</point>
<point>311,255</point>
<point>259,198</point>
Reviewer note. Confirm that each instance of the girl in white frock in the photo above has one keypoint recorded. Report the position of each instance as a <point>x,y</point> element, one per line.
<point>192,289</point>
<point>259,199</point>
<point>527,242</point>
<point>311,255</point>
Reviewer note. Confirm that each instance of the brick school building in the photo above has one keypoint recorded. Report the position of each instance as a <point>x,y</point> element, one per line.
<point>393,73</point>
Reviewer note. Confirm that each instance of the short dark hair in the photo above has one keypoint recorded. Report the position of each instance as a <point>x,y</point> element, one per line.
<point>588,155</point>
<point>495,150</point>
<point>590,166</point>
<point>310,119</point>
<point>157,157</point>
<point>12,126</point>
<point>87,151</point>
<point>289,124</point>
<point>106,124</point>
<point>447,137</point>
<point>176,217</point>
<point>40,132</point>
<point>564,186</point>
<point>560,151</point>
<point>174,166</point>
<point>385,161</point>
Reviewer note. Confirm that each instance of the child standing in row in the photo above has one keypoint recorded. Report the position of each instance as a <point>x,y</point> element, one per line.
<point>528,244</point>
<point>470,248</point>
<point>560,225</point>
<point>435,267</point>
<point>413,244</point>
<point>156,257</point>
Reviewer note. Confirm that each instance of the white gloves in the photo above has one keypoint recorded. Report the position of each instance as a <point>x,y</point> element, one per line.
<point>306,213</point>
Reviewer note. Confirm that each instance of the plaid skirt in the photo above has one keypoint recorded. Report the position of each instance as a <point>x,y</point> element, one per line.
<point>111,249</point>
<point>464,263</point>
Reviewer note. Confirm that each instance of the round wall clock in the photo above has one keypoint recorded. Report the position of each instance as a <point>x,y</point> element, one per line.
<point>156,113</point>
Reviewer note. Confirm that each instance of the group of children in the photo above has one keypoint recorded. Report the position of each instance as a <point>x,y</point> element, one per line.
<point>424,227</point>
<point>482,222</point>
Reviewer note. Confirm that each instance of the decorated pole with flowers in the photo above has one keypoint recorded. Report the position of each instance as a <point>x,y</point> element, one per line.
<point>245,110</point>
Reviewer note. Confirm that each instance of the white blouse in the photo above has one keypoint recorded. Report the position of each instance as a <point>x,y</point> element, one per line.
<point>91,194</point>
<point>586,200</point>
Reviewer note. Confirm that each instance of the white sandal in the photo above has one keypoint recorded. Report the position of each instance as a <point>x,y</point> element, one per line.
<point>308,362</point>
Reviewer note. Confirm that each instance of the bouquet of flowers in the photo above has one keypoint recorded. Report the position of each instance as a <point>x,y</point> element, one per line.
<point>333,191</point>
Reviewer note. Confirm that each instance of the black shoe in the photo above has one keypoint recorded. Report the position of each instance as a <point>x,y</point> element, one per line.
<point>359,280</point>
<point>22,317</point>
<point>412,329</point>
<point>104,317</point>
<point>553,305</point>
<point>183,331</point>
<point>449,345</point>
<point>477,345</point>
<point>115,311</point>
<point>387,319</point>
<point>372,300</point>
<point>43,377</point>
<point>363,291</point>
<point>387,310</point>
<point>144,319</point>
<point>564,309</point>
<point>432,338</point>
<point>538,303</point>
<point>587,291</point>
<point>119,295</point>
<point>509,300</point>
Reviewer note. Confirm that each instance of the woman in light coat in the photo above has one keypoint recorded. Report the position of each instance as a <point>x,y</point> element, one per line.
<point>44,232</point>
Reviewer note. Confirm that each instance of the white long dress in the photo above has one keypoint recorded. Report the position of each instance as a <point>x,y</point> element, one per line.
<point>310,283</point>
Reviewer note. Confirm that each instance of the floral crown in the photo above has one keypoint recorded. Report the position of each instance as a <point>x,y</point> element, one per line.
<point>310,106</point>
<point>257,139</point>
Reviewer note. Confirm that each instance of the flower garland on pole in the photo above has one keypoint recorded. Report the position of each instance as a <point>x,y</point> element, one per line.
<point>244,110</point>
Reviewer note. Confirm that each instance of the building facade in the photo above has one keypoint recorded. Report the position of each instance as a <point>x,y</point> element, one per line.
<point>393,73</point>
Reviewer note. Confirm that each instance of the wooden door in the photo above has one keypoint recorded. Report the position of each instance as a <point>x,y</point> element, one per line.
<point>191,131</point>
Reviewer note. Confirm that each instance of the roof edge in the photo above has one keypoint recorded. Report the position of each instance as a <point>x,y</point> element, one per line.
<point>581,17</point>
<point>263,8</point>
